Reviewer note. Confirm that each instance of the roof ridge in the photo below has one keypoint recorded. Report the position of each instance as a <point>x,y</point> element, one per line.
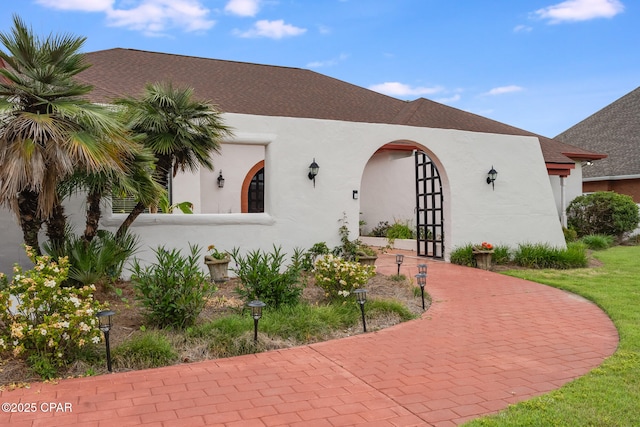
<point>198,57</point>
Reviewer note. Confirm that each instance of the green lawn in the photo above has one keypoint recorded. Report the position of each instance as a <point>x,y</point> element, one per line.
<point>610,394</point>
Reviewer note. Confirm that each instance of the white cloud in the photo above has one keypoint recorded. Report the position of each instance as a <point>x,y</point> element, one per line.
<point>522,29</point>
<point>580,10</point>
<point>329,62</point>
<point>401,89</point>
<point>504,89</point>
<point>449,100</point>
<point>79,5</point>
<point>243,7</point>
<point>272,29</point>
<point>149,16</point>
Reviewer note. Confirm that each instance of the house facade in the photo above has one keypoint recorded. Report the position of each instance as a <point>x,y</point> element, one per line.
<point>367,147</point>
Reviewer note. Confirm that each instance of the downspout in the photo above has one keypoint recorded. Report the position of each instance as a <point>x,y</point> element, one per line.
<point>563,214</point>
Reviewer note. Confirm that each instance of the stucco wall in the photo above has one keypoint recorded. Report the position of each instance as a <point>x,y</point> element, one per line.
<point>388,189</point>
<point>11,250</point>
<point>520,209</point>
<point>234,161</point>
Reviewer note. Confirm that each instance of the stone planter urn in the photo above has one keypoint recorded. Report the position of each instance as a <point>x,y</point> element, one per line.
<point>218,268</point>
<point>483,259</point>
<point>367,259</point>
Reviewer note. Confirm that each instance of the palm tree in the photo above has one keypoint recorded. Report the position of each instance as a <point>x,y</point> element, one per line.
<point>182,132</point>
<point>47,130</point>
<point>138,183</point>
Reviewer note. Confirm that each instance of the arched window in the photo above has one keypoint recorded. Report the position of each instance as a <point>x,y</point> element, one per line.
<point>255,196</point>
<point>253,190</point>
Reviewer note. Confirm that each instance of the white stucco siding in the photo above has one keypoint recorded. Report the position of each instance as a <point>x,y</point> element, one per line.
<point>521,209</point>
<point>234,161</point>
<point>11,250</point>
<point>388,189</point>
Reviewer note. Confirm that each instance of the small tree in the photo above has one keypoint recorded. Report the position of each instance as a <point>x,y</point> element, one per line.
<point>182,132</point>
<point>603,212</point>
<point>48,130</point>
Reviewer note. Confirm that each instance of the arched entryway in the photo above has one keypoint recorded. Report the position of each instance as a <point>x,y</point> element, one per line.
<point>401,184</point>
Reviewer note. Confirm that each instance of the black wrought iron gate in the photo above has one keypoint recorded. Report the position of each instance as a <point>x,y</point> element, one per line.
<point>429,208</point>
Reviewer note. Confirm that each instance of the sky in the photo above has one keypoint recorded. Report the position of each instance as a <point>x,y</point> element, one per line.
<point>540,65</point>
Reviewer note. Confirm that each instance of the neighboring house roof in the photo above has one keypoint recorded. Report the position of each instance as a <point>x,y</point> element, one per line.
<point>246,88</point>
<point>614,130</point>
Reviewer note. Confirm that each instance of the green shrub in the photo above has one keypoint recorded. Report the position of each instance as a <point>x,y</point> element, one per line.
<point>263,277</point>
<point>384,307</point>
<point>172,291</point>
<point>44,320</point>
<point>603,212</point>
<point>308,258</point>
<point>570,235</point>
<point>99,260</point>
<point>597,242</point>
<point>463,255</point>
<point>145,350</point>
<point>380,230</point>
<point>546,256</point>
<point>400,230</point>
<point>501,255</point>
<point>339,277</point>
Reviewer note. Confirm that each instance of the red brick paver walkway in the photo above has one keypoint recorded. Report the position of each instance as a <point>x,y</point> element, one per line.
<point>487,341</point>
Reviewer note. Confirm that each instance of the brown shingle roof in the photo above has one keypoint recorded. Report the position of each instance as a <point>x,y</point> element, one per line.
<point>238,87</point>
<point>614,130</point>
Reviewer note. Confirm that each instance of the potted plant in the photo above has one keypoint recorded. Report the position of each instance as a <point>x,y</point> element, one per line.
<point>365,254</point>
<point>482,254</point>
<point>218,263</point>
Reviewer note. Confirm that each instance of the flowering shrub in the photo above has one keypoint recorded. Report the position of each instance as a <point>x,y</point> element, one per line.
<point>484,246</point>
<point>339,277</point>
<point>43,321</point>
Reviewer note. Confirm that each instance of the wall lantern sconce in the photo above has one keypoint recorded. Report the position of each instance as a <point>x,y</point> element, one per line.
<point>491,177</point>
<point>256,313</point>
<point>104,323</point>
<point>361,298</point>
<point>313,171</point>
<point>421,278</point>
<point>355,194</point>
<point>220,180</point>
<point>399,260</point>
<point>587,163</point>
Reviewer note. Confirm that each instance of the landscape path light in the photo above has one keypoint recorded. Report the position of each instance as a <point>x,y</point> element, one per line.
<point>421,278</point>
<point>361,298</point>
<point>422,268</point>
<point>104,323</point>
<point>399,260</point>
<point>256,312</point>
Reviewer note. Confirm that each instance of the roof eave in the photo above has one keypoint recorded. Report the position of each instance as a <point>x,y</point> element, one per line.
<point>560,169</point>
